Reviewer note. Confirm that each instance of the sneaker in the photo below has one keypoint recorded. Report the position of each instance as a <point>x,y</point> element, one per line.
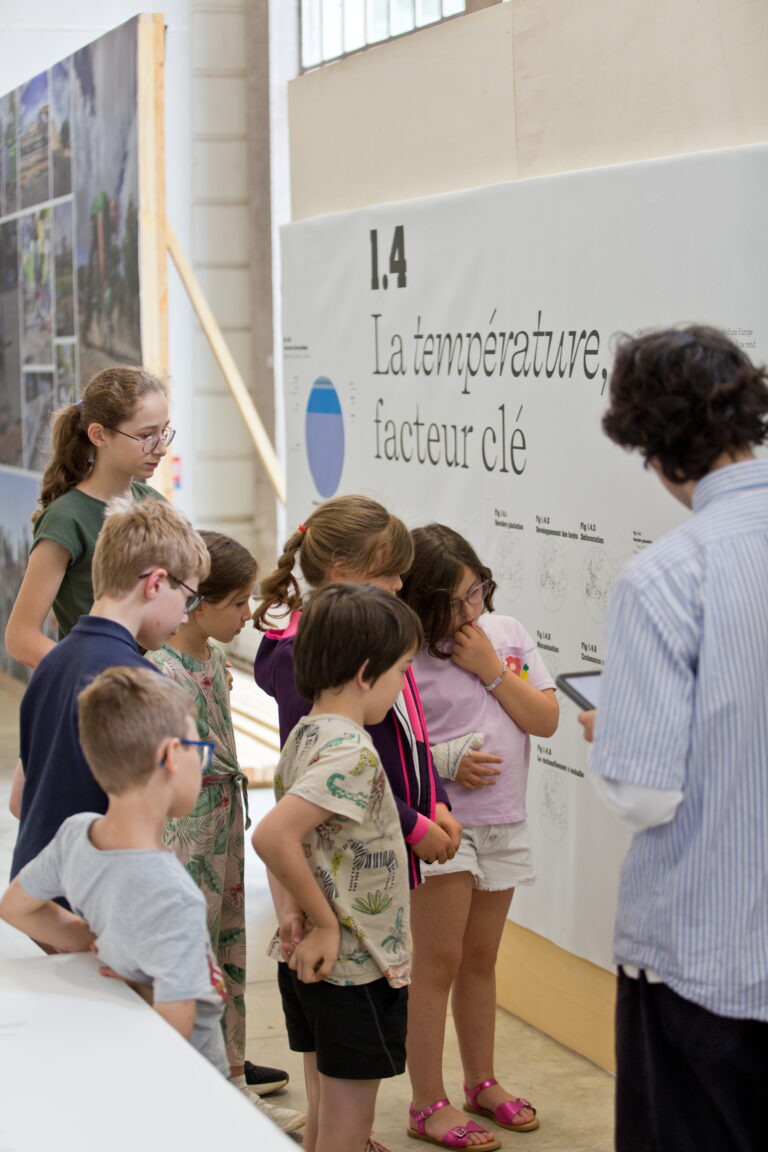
<point>285,1118</point>
<point>264,1080</point>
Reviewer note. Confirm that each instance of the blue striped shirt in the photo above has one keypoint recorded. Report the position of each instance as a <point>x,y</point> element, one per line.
<point>685,706</point>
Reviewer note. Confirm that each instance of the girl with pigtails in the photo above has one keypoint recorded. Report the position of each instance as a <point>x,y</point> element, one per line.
<point>108,444</point>
<point>355,539</point>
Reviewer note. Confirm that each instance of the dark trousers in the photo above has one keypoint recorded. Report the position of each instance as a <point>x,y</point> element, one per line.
<point>688,1080</point>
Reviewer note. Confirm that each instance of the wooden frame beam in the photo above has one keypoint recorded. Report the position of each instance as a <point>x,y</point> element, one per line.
<point>226,362</point>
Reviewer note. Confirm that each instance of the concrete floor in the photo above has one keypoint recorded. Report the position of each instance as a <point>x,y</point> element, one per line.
<point>574,1098</point>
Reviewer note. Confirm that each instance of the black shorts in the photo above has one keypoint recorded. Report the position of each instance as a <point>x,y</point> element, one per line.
<point>358,1031</point>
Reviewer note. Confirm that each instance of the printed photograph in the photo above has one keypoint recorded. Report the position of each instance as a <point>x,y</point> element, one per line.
<point>18,499</point>
<point>36,416</point>
<point>34,116</point>
<point>66,376</point>
<point>63,270</point>
<point>104,120</point>
<point>9,172</point>
<point>10,357</point>
<point>35,263</point>
<point>61,128</point>
<point>69,271</point>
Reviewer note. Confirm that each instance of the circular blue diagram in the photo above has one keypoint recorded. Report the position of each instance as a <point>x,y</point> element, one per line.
<point>324,433</point>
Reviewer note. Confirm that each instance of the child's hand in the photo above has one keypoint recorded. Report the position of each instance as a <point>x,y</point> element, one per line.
<point>445,819</point>
<point>474,652</point>
<point>315,955</point>
<point>291,932</point>
<point>435,846</point>
<point>228,674</point>
<point>144,990</point>
<point>475,771</point>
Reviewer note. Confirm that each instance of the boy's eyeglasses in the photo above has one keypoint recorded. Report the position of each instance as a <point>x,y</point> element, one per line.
<point>149,441</point>
<point>474,597</point>
<point>205,750</point>
<point>194,600</point>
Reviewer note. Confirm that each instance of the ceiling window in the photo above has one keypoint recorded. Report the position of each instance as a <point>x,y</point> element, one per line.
<point>333,28</point>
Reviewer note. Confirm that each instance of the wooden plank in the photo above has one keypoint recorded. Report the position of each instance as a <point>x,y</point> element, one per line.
<point>229,368</point>
<point>153,261</point>
<point>562,995</point>
<point>255,718</point>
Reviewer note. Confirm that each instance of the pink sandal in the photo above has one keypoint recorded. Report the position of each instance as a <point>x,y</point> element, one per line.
<point>454,1137</point>
<point>503,1114</point>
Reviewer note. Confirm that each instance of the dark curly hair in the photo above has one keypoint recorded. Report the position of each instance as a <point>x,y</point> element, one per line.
<point>440,557</point>
<point>683,397</point>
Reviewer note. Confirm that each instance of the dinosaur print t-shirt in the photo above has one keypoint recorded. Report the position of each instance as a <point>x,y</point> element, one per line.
<point>358,854</point>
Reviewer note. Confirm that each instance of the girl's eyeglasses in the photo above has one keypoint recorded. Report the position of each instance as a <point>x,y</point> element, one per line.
<point>474,597</point>
<point>149,441</point>
<point>205,751</point>
<point>194,600</point>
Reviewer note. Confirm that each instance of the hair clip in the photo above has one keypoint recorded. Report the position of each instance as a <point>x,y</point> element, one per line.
<point>303,529</point>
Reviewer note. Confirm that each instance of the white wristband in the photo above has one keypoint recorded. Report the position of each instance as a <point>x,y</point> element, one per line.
<point>495,683</point>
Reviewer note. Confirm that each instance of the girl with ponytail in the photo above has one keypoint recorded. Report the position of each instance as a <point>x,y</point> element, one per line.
<point>107,445</point>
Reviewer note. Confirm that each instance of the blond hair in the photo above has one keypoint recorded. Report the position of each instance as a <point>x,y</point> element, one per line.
<point>141,536</point>
<point>109,398</point>
<point>352,531</point>
<point>123,716</point>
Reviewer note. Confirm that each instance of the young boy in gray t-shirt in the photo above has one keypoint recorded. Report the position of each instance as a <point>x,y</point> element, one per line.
<point>130,896</point>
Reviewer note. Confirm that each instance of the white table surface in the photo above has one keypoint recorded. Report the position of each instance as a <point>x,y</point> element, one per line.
<point>85,1064</point>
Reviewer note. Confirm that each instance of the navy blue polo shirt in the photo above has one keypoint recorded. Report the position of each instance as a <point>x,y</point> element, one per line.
<point>57,780</point>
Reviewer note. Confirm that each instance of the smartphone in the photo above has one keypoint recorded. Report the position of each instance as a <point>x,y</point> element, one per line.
<point>582,687</point>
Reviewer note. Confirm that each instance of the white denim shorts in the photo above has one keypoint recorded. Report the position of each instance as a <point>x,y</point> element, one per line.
<point>497,855</point>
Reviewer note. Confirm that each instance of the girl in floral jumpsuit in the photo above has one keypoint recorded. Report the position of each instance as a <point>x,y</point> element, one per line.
<point>209,843</point>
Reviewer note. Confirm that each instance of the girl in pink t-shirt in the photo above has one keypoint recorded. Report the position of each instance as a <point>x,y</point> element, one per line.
<point>485,690</point>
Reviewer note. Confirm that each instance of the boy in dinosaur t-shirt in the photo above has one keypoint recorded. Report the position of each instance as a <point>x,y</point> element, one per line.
<point>338,864</point>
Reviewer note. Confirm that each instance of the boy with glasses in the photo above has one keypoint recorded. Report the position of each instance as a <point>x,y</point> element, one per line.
<point>130,898</point>
<point>146,566</point>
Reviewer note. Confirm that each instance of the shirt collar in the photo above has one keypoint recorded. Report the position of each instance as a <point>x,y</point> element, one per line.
<point>732,478</point>
<point>102,626</point>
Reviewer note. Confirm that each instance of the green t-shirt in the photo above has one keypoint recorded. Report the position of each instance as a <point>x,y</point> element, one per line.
<point>74,520</point>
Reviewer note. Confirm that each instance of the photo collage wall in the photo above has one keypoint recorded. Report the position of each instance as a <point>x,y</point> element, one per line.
<point>69,259</point>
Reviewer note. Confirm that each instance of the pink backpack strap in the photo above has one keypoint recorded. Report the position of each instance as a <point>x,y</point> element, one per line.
<point>419,726</point>
<point>413,708</point>
<point>286,633</point>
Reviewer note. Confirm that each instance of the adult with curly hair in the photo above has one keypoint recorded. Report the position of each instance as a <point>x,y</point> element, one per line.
<point>681,750</point>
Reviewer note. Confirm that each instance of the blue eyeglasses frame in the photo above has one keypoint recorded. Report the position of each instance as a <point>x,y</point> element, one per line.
<point>206,751</point>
